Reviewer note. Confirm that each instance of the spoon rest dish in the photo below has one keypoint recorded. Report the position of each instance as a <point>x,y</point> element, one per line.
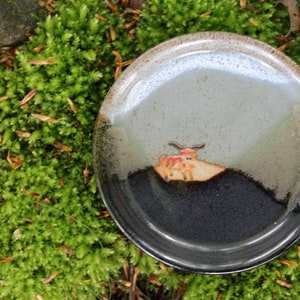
<point>196,152</point>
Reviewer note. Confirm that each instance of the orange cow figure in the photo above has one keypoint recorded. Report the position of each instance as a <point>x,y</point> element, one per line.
<point>186,166</point>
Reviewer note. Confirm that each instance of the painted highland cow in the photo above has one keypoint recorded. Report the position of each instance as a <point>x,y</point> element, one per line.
<point>186,166</point>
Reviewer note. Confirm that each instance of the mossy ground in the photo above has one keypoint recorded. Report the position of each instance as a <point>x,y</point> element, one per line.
<point>57,241</point>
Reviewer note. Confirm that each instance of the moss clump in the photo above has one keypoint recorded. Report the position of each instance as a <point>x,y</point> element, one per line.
<point>57,241</point>
<point>165,19</point>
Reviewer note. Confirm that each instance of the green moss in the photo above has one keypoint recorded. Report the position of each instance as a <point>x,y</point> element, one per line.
<point>165,19</point>
<point>51,214</point>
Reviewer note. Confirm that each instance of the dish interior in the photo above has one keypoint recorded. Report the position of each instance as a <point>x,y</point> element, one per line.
<point>246,111</point>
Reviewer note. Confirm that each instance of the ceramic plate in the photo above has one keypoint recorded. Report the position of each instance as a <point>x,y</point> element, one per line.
<point>196,152</point>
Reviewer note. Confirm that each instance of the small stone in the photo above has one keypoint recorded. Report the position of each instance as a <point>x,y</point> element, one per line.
<point>17,18</point>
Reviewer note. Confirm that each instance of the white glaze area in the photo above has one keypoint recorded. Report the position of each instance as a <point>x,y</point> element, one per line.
<point>241,104</point>
<point>210,62</point>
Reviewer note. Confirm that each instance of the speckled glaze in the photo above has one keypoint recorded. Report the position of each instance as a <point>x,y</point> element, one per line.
<point>240,97</point>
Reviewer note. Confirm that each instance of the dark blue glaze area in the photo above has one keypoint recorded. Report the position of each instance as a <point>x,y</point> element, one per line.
<point>227,224</point>
<point>229,208</point>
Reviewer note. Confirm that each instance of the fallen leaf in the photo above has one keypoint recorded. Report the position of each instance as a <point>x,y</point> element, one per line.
<point>288,263</point>
<point>111,6</point>
<point>103,214</point>
<point>42,3</point>
<point>6,259</point>
<point>181,290</point>
<point>129,24</point>
<point>132,32</point>
<point>61,181</point>
<point>134,280</point>
<point>71,220</point>
<point>38,204</point>
<point>6,55</point>
<point>24,134</point>
<point>66,249</point>
<point>154,280</point>
<point>33,194</point>
<point>14,161</point>
<point>118,56</point>
<point>51,277</point>
<point>3,98</point>
<point>126,283</point>
<point>45,118</point>
<point>38,49</point>
<point>112,33</point>
<point>63,147</point>
<point>126,269</point>
<point>134,11</point>
<point>243,4</point>
<point>164,268</point>
<point>286,45</point>
<point>50,9</point>
<point>253,21</point>
<point>86,174</point>
<point>284,284</point>
<point>277,273</point>
<point>128,62</point>
<point>101,18</point>
<point>47,201</point>
<point>38,296</point>
<point>72,105</point>
<point>220,296</point>
<point>48,61</point>
<point>28,97</point>
<point>206,14</point>
<point>118,72</point>
<point>119,63</point>
<point>136,17</point>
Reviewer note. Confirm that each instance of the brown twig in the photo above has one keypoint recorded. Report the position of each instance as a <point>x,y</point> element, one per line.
<point>293,14</point>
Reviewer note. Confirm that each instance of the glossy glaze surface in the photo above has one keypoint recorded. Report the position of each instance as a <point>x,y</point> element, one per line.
<point>239,97</point>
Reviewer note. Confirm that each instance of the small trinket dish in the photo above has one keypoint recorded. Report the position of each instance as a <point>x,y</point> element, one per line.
<point>196,152</point>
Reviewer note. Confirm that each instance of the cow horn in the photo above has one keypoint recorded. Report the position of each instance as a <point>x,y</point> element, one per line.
<point>176,145</point>
<point>199,146</point>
